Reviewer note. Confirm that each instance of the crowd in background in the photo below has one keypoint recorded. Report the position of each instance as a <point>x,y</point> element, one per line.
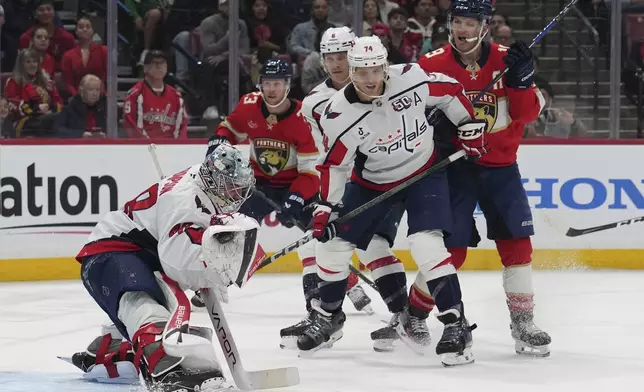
<point>53,74</point>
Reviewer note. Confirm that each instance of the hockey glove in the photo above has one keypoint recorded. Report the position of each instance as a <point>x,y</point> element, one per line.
<point>520,63</point>
<point>214,142</point>
<point>471,135</point>
<point>291,209</point>
<point>323,230</point>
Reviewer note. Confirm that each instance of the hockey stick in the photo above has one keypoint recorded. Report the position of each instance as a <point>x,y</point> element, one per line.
<point>380,198</point>
<point>577,232</point>
<point>245,380</point>
<point>152,148</point>
<point>299,225</point>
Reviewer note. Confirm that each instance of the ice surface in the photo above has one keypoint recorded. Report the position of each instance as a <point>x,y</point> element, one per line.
<point>595,318</point>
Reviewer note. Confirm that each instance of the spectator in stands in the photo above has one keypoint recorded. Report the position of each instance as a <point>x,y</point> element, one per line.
<point>496,21</point>
<point>503,35</point>
<point>371,16</point>
<point>148,16</point>
<point>214,38</point>
<point>153,109</point>
<point>6,126</point>
<point>407,42</point>
<point>86,114</point>
<point>555,122</point>
<point>385,7</point>
<point>19,16</point>
<point>34,94</point>
<point>423,18</point>
<point>440,38</point>
<point>302,40</point>
<point>265,33</point>
<point>312,70</point>
<point>60,41</point>
<point>39,41</point>
<point>394,56</point>
<point>340,12</point>
<point>86,58</point>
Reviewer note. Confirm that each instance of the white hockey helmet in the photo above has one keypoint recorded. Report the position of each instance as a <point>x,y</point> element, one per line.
<point>337,39</point>
<point>368,52</point>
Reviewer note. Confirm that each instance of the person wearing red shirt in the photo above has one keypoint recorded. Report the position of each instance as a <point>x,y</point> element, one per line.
<point>40,42</point>
<point>86,58</point>
<point>404,40</point>
<point>33,93</point>
<point>60,40</point>
<point>494,181</point>
<point>152,108</point>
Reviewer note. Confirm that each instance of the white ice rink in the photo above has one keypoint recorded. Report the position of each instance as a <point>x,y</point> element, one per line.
<point>596,320</point>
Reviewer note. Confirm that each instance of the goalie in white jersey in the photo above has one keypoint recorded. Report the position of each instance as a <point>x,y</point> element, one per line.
<point>181,233</point>
<point>377,126</point>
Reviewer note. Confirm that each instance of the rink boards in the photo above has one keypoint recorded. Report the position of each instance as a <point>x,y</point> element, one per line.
<point>52,195</point>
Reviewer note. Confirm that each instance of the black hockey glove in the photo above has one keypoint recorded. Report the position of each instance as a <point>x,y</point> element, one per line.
<point>214,142</point>
<point>520,63</point>
<point>291,209</point>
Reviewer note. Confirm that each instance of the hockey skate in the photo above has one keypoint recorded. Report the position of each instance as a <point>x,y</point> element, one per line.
<point>384,338</point>
<point>455,345</point>
<point>529,339</point>
<point>412,330</point>
<point>360,299</point>
<point>324,330</point>
<point>197,301</point>
<point>289,335</point>
<point>165,373</point>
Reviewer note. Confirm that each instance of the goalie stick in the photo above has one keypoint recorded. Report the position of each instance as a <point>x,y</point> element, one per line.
<point>297,223</point>
<point>577,232</point>
<point>244,380</point>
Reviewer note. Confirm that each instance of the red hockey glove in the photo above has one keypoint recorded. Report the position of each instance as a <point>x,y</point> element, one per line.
<point>323,230</point>
<point>471,135</point>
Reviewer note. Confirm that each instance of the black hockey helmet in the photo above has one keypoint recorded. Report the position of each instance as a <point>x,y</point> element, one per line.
<point>276,68</point>
<point>478,9</point>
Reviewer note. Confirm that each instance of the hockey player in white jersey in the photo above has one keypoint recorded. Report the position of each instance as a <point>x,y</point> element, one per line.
<point>180,233</point>
<point>377,126</point>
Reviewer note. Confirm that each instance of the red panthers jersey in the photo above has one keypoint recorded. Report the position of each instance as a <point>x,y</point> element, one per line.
<point>506,110</point>
<point>283,150</point>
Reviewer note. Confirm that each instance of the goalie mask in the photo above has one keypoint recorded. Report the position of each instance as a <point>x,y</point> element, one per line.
<point>227,178</point>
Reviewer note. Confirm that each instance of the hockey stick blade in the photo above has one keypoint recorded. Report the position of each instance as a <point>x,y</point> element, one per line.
<point>299,225</point>
<point>244,380</point>
<point>572,232</point>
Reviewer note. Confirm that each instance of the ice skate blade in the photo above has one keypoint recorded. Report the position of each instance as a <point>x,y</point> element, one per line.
<point>383,345</point>
<point>418,348</point>
<point>289,343</point>
<point>457,359</point>
<point>328,344</point>
<point>522,348</point>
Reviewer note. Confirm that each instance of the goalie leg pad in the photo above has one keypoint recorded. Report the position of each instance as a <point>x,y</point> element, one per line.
<point>107,276</point>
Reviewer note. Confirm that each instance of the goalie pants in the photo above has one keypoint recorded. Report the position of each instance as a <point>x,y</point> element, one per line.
<point>107,276</point>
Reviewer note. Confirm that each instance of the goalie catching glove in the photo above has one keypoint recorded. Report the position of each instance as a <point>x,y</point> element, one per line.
<point>471,137</point>
<point>230,253</point>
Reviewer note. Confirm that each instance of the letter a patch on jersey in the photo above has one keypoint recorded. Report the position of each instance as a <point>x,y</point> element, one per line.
<point>271,155</point>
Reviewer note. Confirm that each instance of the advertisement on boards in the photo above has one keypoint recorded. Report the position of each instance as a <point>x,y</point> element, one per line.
<point>52,196</point>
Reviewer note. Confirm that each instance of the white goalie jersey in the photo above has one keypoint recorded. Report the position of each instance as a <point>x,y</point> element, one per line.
<point>166,222</point>
<point>389,139</point>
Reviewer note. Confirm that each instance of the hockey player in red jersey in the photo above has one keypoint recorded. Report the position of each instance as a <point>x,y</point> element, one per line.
<point>494,180</point>
<point>152,108</point>
<point>181,233</point>
<point>283,154</point>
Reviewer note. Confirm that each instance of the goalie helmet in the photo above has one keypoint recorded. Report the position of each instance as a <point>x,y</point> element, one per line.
<point>227,178</point>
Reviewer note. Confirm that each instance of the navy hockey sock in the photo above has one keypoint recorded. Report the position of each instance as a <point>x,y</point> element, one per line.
<point>332,294</point>
<point>310,285</point>
<point>393,290</point>
<point>446,291</point>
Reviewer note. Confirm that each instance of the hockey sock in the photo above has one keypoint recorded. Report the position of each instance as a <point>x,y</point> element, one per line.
<point>353,280</point>
<point>446,291</point>
<point>310,285</point>
<point>516,255</point>
<point>393,290</point>
<point>421,302</point>
<point>332,294</point>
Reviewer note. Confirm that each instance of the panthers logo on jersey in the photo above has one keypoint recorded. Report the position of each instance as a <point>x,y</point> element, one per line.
<point>486,108</point>
<point>271,155</point>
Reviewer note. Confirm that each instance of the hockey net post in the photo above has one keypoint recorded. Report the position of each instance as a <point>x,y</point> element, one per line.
<point>244,380</point>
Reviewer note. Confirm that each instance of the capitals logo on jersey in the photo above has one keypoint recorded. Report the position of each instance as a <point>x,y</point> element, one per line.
<point>272,155</point>
<point>486,108</point>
